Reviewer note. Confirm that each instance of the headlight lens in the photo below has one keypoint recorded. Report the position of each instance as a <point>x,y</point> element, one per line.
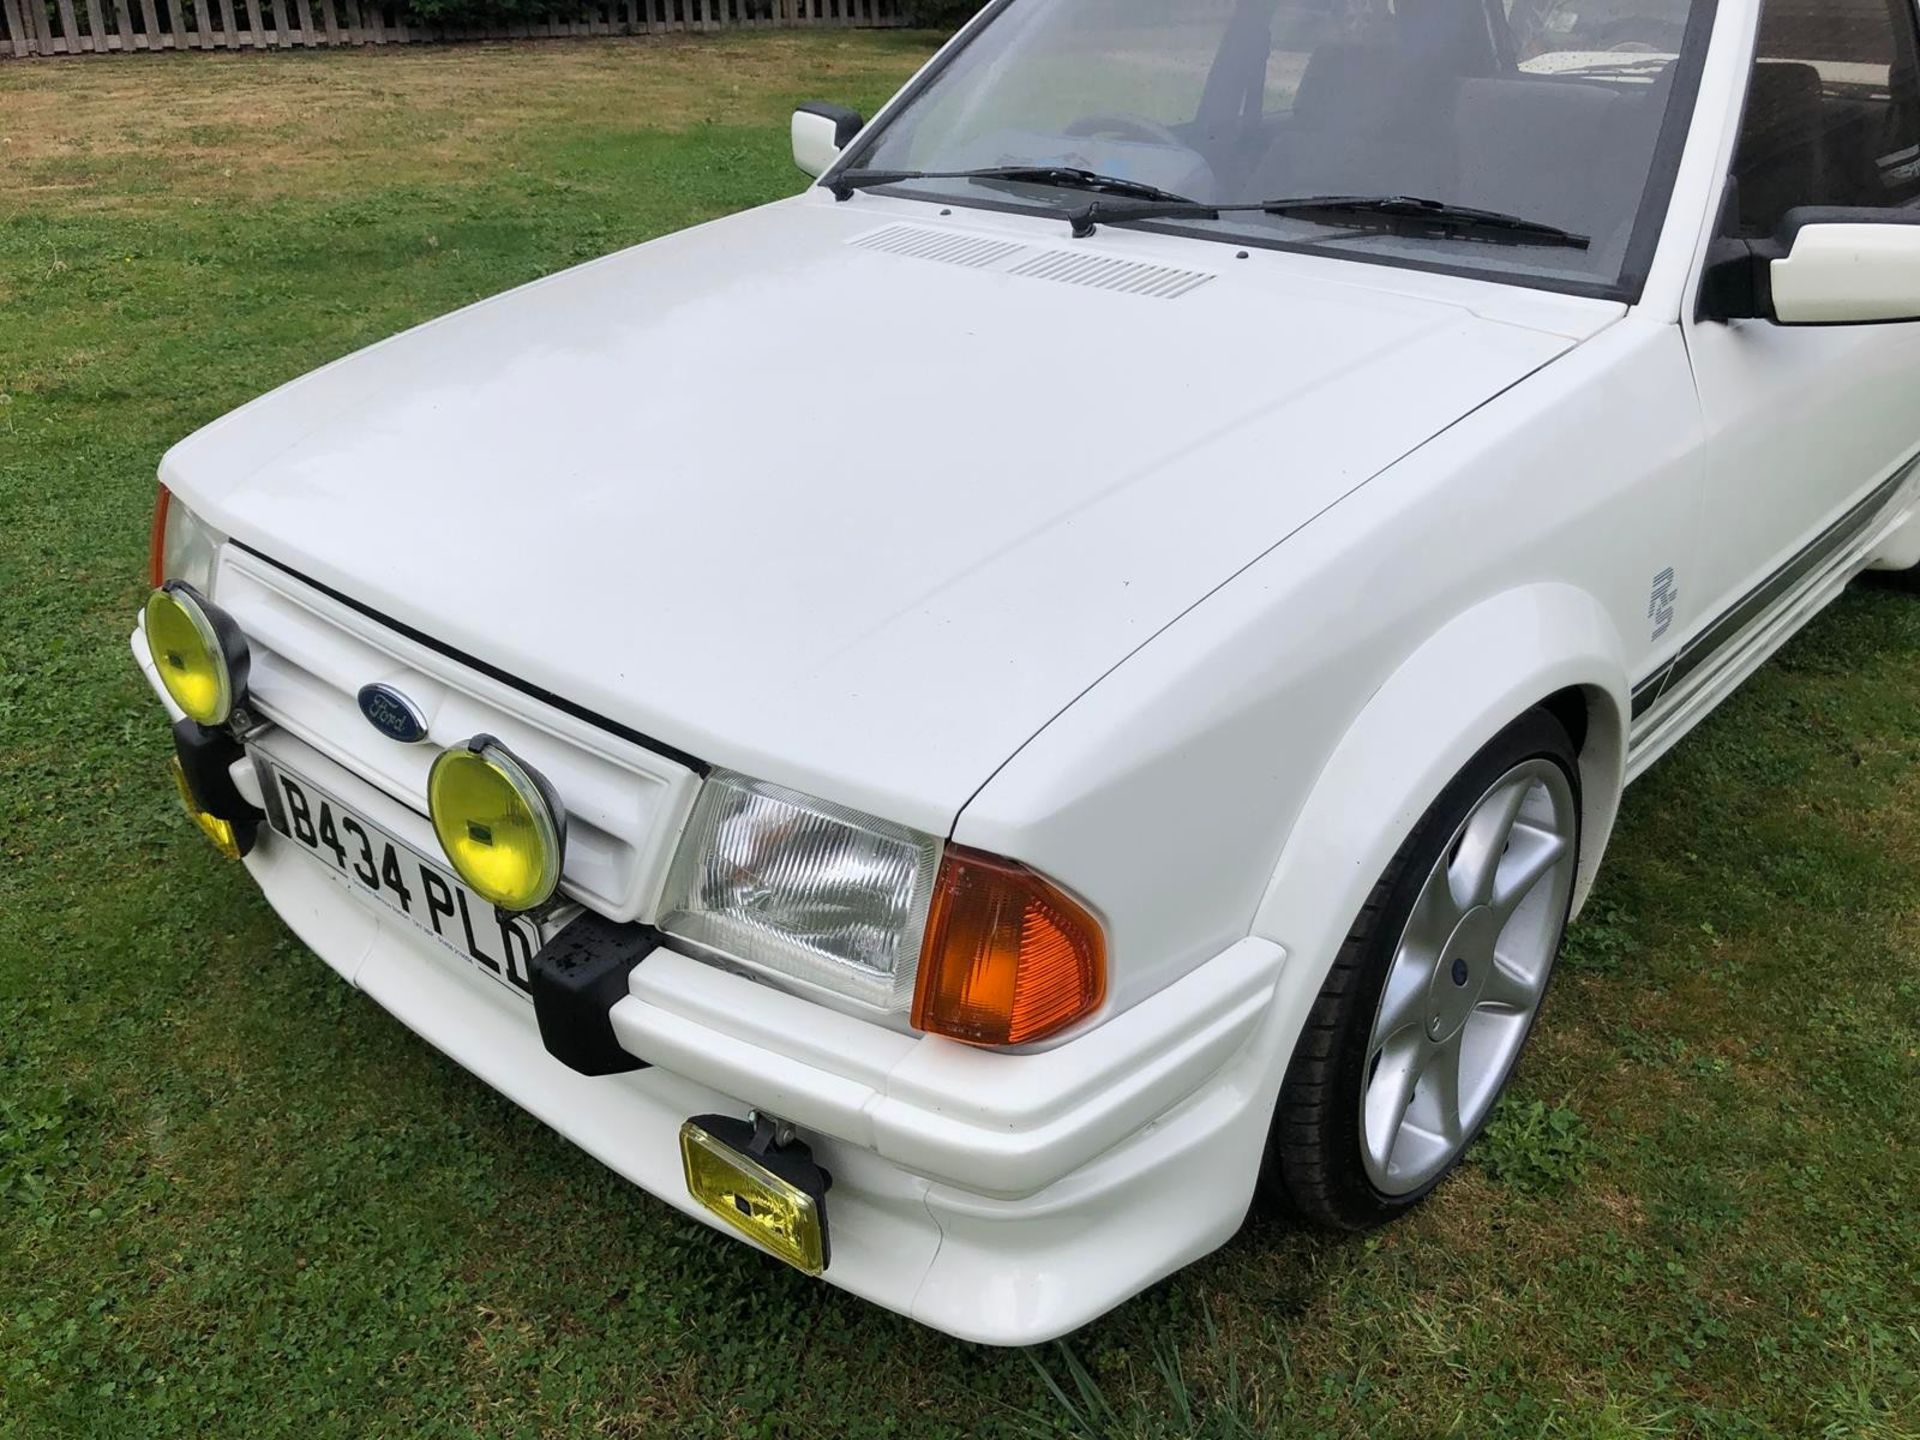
<point>199,652</point>
<point>802,887</point>
<point>185,547</point>
<point>499,822</point>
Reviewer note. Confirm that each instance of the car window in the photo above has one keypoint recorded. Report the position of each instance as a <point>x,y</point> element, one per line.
<point>1548,110</point>
<point>1071,67</point>
<point>1556,36</point>
<point>1832,113</point>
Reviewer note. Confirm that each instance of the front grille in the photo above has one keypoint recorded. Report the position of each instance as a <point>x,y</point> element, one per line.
<point>625,804</point>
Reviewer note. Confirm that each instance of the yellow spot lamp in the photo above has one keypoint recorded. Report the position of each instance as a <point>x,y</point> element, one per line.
<point>499,822</point>
<point>225,836</point>
<point>199,651</point>
<point>770,1192</point>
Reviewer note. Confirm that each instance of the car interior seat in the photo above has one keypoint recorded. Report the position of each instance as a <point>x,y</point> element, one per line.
<point>1355,127</point>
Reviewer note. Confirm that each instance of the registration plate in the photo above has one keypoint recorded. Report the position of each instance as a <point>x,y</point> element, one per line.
<point>363,855</point>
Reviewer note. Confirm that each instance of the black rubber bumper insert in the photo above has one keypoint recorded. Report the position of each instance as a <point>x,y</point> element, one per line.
<point>578,977</point>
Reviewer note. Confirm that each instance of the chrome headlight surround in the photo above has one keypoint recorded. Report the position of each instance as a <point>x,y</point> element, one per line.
<point>802,888</point>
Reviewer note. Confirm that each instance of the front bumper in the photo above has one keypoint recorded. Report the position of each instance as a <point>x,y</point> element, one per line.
<point>1001,1198</point>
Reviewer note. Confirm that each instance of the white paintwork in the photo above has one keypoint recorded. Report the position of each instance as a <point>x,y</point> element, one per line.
<point>1194,604</point>
<point>1840,274</point>
<point>815,142</point>
<point>901,607</point>
<point>1104,1206</point>
<point>626,804</point>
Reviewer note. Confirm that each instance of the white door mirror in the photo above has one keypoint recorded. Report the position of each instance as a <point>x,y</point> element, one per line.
<point>820,133</point>
<point>1849,273</point>
<point>1826,265</point>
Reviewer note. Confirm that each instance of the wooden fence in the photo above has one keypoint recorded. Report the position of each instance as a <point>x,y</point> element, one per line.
<point>80,27</point>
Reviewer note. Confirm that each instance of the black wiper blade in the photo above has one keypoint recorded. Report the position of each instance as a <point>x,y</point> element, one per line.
<point>1391,211</point>
<point>1441,213</point>
<point>1066,177</point>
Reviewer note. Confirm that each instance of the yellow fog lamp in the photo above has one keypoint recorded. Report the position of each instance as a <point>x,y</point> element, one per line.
<point>198,650</point>
<point>499,822</point>
<point>764,1185</point>
<point>224,834</point>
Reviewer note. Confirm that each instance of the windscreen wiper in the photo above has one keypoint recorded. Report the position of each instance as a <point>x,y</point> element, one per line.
<point>1387,212</point>
<point>1066,177</point>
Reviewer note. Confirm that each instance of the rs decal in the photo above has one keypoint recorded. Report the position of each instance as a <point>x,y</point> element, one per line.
<point>1660,605</point>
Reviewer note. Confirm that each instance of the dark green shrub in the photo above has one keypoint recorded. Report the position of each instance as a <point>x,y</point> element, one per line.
<point>488,12</point>
<point>941,14</point>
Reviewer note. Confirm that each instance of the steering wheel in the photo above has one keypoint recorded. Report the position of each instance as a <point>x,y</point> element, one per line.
<point>1125,127</point>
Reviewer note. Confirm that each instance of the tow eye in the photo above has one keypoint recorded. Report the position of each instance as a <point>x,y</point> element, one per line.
<point>578,977</point>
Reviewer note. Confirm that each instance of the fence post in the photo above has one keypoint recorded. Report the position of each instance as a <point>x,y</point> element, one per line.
<point>32,28</point>
<point>68,27</point>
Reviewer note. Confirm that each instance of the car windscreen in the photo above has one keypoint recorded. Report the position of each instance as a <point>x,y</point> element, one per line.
<point>1569,113</point>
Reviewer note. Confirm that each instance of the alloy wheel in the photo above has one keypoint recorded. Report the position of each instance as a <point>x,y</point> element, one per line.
<point>1467,977</point>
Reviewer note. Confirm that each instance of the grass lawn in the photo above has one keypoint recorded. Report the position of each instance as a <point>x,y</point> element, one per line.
<point>236,1199</point>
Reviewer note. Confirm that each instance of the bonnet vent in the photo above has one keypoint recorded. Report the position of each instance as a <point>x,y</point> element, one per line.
<point>949,247</point>
<point>1102,272</point>
<point>1007,257</point>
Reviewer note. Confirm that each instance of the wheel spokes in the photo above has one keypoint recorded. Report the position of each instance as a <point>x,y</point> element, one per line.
<point>1414,1101</point>
<point>1532,852</point>
<point>1435,915</point>
<point>1403,1003</point>
<point>1483,844</point>
<point>1439,1096</point>
<point>1391,1092</point>
<point>1509,988</point>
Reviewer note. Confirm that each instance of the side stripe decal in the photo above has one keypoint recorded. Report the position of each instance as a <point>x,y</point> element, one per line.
<point>1733,622</point>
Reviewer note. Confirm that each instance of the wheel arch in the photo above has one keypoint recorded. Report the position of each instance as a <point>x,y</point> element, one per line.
<point>1548,645</point>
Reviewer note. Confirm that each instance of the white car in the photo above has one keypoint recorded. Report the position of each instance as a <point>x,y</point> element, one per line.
<point>961,724</point>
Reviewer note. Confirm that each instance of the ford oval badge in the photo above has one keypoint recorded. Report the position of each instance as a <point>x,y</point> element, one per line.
<point>392,714</point>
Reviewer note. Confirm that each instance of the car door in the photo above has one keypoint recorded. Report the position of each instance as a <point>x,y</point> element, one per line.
<point>1806,426</point>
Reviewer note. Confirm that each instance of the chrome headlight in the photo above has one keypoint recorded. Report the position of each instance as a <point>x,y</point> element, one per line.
<point>802,887</point>
<point>185,547</point>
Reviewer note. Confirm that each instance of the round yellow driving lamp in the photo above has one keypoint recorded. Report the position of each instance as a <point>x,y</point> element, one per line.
<point>199,651</point>
<point>499,822</point>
